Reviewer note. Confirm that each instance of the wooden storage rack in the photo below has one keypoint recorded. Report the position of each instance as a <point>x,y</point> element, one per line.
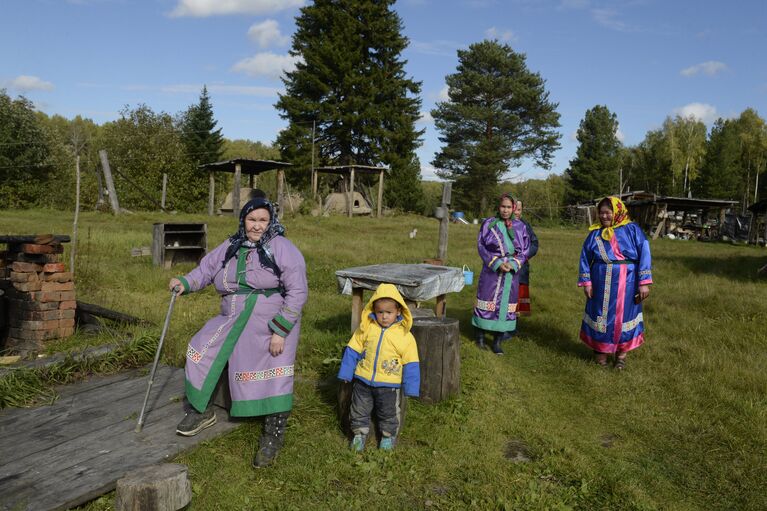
<point>176,243</point>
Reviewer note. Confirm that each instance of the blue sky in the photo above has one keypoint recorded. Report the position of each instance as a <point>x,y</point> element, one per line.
<point>643,59</point>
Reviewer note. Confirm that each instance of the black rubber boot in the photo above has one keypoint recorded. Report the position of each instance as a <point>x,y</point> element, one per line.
<point>497,344</point>
<point>272,438</point>
<point>481,340</point>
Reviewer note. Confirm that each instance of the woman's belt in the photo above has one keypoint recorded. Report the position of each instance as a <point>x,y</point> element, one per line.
<point>253,291</point>
<point>623,261</point>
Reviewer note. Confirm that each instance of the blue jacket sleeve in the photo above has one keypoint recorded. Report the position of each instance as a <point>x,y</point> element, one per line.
<point>349,364</point>
<point>411,379</point>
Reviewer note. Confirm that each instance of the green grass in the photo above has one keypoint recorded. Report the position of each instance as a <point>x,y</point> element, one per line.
<point>684,427</point>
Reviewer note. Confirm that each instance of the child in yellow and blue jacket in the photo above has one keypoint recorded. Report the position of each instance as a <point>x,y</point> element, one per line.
<point>382,360</point>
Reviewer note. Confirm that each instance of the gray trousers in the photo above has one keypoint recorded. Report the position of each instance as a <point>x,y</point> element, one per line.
<point>385,401</point>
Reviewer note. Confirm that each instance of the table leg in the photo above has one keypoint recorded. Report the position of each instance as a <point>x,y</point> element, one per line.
<point>440,307</point>
<point>356,307</point>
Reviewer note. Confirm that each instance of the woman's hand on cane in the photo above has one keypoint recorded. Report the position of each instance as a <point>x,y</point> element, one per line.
<point>175,285</point>
<point>587,291</point>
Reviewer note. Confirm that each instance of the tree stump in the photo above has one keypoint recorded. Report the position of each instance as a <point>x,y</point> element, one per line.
<point>439,351</point>
<point>156,488</point>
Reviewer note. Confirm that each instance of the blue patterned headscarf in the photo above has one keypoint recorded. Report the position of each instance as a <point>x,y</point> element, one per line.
<point>240,238</point>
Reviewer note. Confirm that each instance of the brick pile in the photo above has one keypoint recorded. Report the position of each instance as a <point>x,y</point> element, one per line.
<point>39,293</point>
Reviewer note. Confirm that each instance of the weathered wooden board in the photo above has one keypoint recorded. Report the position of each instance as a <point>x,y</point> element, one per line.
<point>439,351</point>
<point>60,456</point>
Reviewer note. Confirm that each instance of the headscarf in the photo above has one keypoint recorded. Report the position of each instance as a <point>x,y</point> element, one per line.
<point>240,238</point>
<point>507,195</point>
<point>620,217</point>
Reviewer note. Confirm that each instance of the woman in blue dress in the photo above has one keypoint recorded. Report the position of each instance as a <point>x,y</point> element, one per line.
<point>615,274</point>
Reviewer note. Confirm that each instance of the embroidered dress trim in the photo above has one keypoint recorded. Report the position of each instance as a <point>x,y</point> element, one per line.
<point>630,325</point>
<point>266,374</point>
<point>599,325</point>
<point>485,305</point>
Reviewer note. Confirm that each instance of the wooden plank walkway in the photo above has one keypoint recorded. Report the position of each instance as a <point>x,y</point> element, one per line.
<point>60,456</point>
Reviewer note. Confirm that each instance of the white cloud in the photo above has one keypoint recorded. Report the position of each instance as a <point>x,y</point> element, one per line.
<point>700,111</point>
<point>501,35</point>
<point>27,83</point>
<point>205,8</point>
<point>266,64</point>
<point>234,90</point>
<point>608,18</point>
<point>620,135</point>
<point>425,118</point>
<point>443,95</point>
<point>429,173</point>
<point>441,48</point>
<point>267,33</point>
<point>709,68</point>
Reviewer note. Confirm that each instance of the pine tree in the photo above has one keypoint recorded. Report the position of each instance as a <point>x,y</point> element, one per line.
<point>498,114</point>
<point>594,172</point>
<point>350,84</point>
<point>204,143</point>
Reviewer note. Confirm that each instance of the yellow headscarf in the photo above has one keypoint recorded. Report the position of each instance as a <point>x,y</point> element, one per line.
<point>620,217</point>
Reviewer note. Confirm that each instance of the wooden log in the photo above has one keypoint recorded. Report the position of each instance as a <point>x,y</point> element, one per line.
<point>103,312</point>
<point>163,487</point>
<point>439,352</point>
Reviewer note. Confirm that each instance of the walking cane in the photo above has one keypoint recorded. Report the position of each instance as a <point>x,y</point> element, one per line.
<point>140,423</point>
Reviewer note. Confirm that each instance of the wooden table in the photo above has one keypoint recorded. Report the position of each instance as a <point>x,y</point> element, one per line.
<point>416,283</point>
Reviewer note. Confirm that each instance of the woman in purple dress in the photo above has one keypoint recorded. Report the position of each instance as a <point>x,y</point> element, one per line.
<point>261,277</point>
<point>615,274</point>
<point>503,244</point>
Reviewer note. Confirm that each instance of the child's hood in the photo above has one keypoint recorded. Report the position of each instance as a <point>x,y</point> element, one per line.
<point>388,291</point>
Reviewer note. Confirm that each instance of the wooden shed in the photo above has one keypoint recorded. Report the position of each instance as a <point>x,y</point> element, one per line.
<point>251,168</point>
<point>348,172</point>
<point>758,222</point>
<point>681,216</point>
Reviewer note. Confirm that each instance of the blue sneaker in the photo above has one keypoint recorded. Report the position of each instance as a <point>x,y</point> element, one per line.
<point>358,443</point>
<point>387,443</point>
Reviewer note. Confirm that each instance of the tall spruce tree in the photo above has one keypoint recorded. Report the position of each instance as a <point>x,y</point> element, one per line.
<point>498,114</point>
<point>350,86</point>
<point>594,172</point>
<point>204,143</point>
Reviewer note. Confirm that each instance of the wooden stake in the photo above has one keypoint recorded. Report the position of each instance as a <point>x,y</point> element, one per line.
<point>236,191</point>
<point>110,183</point>
<point>380,193</point>
<point>73,246</point>
<point>211,192</point>
<point>164,190</point>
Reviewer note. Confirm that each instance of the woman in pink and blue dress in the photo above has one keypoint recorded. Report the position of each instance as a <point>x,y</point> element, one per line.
<point>615,275</point>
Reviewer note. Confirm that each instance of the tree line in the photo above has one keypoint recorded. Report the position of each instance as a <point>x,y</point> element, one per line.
<point>350,101</point>
<point>681,158</point>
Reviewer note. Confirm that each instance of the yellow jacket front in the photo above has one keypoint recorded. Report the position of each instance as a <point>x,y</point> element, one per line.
<point>383,357</point>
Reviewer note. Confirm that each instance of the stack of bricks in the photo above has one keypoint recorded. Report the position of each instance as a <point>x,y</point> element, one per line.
<point>39,292</point>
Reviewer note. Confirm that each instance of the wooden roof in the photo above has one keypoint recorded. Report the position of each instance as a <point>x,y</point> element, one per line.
<point>247,166</point>
<point>641,197</point>
<point>346,169</point>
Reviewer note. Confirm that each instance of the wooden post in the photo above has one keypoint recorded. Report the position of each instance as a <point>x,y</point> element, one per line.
<point>163,487</point>
<point>280,192</point>
<point>380,192</point>
<point>110,184</point>
<point>439,353</point>
<point>252,180</point>
<point>440,307</point>
<point>100,199</point>
<point>351,192</point>
<point>164,190</point>
<point>444,222</point>
<point>356,307</point>
<point>236,191</point>
<point>314,172</point>
<point>73,246</point>
<point>211,193</point>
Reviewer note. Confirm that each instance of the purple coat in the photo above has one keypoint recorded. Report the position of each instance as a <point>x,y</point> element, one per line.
<point>498,292</point>
<point>254,304</point>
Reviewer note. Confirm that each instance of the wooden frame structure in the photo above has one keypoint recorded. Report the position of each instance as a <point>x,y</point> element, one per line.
<point>651,212</point>
<point>238,167</point>
<point>348,171</point>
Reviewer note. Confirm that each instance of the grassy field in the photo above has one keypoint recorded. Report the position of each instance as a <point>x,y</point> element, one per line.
<point>684,427</point>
